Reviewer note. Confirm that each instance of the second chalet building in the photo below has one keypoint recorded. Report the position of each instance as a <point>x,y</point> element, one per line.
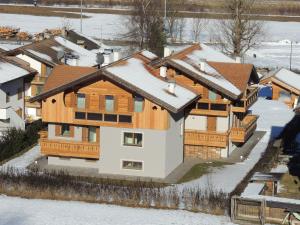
<point>142,115</point>
<point>120,120</point>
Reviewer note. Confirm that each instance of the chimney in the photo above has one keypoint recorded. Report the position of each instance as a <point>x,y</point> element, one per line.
<point>163,71</point>
<point>167,52</point>
<point>116,56</point>
<point>238,59</point>
<point>171,87</point>
<point>202,66</point>
<point>81,43</point>
<point>106,59</point>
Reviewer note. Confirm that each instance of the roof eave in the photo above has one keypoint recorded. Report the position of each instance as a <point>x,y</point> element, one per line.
<point>209,83</point>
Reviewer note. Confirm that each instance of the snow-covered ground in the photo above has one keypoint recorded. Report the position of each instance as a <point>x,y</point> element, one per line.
<point>273,115</point>
<point>273,53</point>
<point>24,160</point>
<point>17,211</point>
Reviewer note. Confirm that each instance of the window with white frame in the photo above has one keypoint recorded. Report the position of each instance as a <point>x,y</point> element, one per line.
<point>80,101</point>
<point>109,103</point>
<point>92,134</point>
<point>132,139</point>
<point>132,165</point>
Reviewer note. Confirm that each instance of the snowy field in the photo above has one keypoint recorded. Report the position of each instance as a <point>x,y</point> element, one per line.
<point>17,211</point>
<point>274,52</point>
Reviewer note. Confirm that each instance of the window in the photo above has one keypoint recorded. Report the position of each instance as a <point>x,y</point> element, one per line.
<point>80,101</point>
<point>212,95</point>
<point>94,116</point>
<point>92,137</point>
<point>39,89</point>
<point>48,70</point>
<point>132,139</point>
<point>109,103</point>
<point>202,105</point>
<point>125,119</point>
<point>110,118</point>
<point>80,115</point>
<point>20,93</point>
<point>138,104</point>
<point>132,165</point>
<point>7,97</point>
<point>65,130</point>
<point>218,107</point>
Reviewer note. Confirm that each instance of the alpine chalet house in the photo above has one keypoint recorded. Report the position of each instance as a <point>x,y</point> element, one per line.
<point>43,56</point>
<point>13,76</point>
<point>220,119</point>
<point>122,119</point>
<point>285,86</point>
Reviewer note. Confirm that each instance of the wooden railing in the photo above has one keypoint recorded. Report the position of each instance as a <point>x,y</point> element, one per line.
<point>206,138</point>
<point>211,107</point>
<point>69,148</point>
<point>241,134</point>
<point>247,101</point>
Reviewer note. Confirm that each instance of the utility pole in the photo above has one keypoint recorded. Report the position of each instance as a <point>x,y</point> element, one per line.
<point>291,55</point>
<point>81,16</point>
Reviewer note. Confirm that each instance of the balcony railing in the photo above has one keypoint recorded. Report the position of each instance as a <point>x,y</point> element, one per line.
<point>206,138</point>
<point>246,102</point>
<point>68,148</point>
<point>211,107</point>
<point>39,80</point>
<point>241,134</point>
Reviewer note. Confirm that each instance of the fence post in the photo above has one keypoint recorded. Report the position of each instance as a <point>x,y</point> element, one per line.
<point>232,211</point>
<point>262,212</point>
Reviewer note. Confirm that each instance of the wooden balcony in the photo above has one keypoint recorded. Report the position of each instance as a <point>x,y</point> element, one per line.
<point>206,138</point>
<point>32,104</point>
<point>38,79</point>
<point>246,102</point>
<point>241,134</point>
<point>211,107</point>
<point>68,148</point>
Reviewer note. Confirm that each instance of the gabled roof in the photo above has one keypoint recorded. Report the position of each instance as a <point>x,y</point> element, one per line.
<point>131,73</point>
<point>47,51</point>
<point>11,69</point>
<point>288,77</point>
<point>89,43</point>
<point>214,69</point>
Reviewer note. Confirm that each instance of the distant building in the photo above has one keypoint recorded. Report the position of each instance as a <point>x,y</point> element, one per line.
<point>285,86</point>
<point>14,74</point>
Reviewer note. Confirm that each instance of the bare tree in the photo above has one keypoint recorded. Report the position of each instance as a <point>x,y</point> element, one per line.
<point>239,33</point>
<point>198,25</point>
<point>145,25</point>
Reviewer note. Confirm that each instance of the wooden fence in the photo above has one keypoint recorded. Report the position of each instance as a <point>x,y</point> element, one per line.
<point>261,211</point>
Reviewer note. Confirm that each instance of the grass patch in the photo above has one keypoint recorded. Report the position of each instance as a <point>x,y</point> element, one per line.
<point>290,186</point>
<point>200,169</point>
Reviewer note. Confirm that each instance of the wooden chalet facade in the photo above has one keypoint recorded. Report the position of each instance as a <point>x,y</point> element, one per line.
<point>121,119</point>
<point>220,119</point>
<point>285,86</point>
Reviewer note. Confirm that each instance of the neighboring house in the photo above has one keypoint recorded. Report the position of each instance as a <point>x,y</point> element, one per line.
<point>285,86</point>
<point>122,119</point>
<point>14,74</point>
<point>220,119</point>
<point>43,56</point>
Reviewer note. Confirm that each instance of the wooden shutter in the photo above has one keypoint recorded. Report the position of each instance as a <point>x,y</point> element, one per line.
<point>211,123</point>
<point>85,133</point>
<point>73,99</point>
<point>57,130</point>
<point>97,134</point>
<point>72,131</point>
<point>130,104</point>
<point>101,102</point>
<point>87,101</point>
<point>116,102</point>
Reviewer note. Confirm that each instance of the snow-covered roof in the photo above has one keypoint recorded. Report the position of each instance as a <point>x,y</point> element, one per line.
<point>253,189</point>
<point>209,54</point>
<point>134,73</point>
<point>10,71</point>
<point>48,51</point>
<point>288,77</point>
<point>209,74</point>
<point>148,55</point>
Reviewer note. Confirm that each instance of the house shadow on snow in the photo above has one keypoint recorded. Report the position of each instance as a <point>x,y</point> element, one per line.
<point>291,148</point>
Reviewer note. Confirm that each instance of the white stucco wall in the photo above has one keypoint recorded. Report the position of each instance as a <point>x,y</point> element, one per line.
<point>193,122</point>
